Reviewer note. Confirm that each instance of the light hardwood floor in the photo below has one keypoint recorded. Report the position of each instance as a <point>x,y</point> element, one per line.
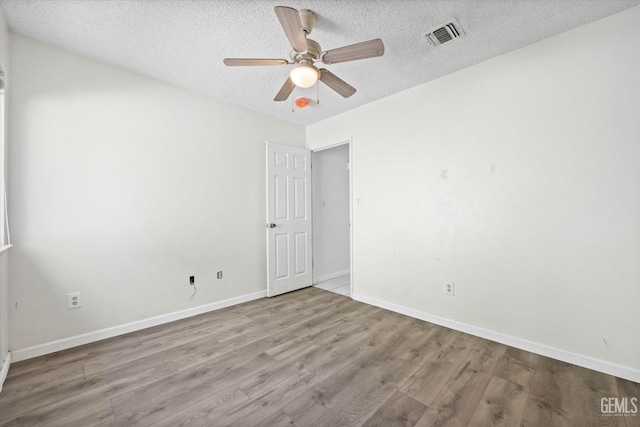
<point>307,358</point>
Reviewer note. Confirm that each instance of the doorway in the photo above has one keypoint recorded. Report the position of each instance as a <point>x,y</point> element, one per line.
<point>331,207</point>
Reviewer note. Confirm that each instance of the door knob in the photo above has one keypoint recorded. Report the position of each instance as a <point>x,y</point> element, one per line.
<point>272,225</point>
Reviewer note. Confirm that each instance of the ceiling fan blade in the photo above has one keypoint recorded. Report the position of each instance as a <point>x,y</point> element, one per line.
<point>242,62</point>
<point>368,49</point>
<point>290,20</point>
<point>285,91</point>
<point>336,83</point>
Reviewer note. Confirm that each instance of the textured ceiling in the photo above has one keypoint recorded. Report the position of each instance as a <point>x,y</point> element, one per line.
<point>183,42</point>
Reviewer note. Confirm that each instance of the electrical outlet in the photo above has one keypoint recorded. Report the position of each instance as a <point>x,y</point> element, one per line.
<point>74,300</point>
<point>220,274</point>
<point>449,288</point>
<point>192,280</point>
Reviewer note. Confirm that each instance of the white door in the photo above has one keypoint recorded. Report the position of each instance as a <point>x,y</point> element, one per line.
<point>288,219</point>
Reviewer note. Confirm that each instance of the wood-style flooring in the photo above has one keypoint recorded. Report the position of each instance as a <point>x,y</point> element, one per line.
<point>307,358</point>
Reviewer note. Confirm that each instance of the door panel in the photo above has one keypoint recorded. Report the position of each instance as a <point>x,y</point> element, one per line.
<point>301,256</point>
<point>282,256</point>
<point>289,216</point>
<point>280,198</point>
<point>300,202</point>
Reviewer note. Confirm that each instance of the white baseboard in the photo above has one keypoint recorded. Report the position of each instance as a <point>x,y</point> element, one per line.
<point>330,276</point>
<point>5,370</point>
<point>63,344</point>
<point>599,365</point>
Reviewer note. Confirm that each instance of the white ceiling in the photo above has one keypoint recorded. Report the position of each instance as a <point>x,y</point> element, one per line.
<point>183,42</point>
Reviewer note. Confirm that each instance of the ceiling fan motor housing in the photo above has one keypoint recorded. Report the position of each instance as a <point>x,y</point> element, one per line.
<point>312,53</point>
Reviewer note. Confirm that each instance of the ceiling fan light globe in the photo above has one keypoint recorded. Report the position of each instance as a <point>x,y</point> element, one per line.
<point>304,75</point>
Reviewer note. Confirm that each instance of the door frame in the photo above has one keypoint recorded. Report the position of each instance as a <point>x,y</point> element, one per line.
<point>349,142</point>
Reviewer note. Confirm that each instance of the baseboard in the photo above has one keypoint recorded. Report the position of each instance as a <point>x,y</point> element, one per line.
<point>5,370</point>
<point>63,344</point>
<point>330,276</point>
<point>599,365</point>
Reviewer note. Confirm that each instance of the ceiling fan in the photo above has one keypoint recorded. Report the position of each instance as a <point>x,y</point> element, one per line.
<point>306,52</point>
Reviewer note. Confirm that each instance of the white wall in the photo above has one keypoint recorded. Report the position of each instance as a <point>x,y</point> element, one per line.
<point>4,41</point>
<point>330,193</point>
<point>4,310</point>
<point>536,218</point>
<point>4,256</point>
<point>122,187</point>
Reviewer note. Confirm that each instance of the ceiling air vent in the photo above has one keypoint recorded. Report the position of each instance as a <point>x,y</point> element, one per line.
<point>445,33</point>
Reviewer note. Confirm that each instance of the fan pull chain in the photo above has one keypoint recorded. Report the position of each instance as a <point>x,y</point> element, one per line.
<point>317,93</point>
<point>292,104</point>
